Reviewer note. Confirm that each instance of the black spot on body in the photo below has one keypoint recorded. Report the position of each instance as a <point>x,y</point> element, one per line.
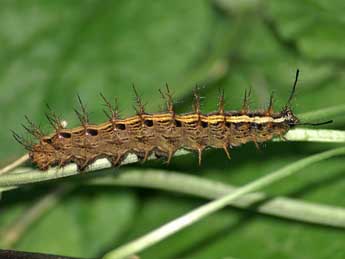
<point>121,126</point>
<point>178,123</point>
<point>204,124</point>
<point>91,132</point>
<point>259,126</point>
<point>47,140</point>
<point>65,135</point>
<point>148,123</point>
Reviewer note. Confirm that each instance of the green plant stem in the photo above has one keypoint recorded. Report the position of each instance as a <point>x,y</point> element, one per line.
<point>14,232</point>
<point>27,175</point>
<point>211,207</point>
<point>197,186</point>
<point>312,135</point>
<point>14,164</point>
<point>205,188</point>
<point>22,176</point>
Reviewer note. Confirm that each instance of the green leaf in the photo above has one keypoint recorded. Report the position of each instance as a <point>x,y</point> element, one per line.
<point>315,28</point>
<point>83,225</point>
<point>53,50</point>
<point>95,47</point>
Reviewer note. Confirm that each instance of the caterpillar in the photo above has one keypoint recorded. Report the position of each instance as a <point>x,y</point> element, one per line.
<point>160,133</point>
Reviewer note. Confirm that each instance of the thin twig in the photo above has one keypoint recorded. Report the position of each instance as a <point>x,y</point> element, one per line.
<point>16,230</point>
<point>24,176</point>
<point>312,135</point>
<point>173,181</point>
<point>197,186</point>
<point>14,164</point>
<point>186,220</point>
<point>293,135</point>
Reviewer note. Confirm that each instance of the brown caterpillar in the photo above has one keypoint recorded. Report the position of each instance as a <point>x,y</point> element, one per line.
<point>161,133</point>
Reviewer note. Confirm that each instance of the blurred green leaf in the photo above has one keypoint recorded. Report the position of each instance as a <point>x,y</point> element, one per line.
<point>315,28</point>
<point>53,50</point>
<point>230,231</point>
<point>92,47</point>
<point>84,224</point>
